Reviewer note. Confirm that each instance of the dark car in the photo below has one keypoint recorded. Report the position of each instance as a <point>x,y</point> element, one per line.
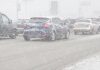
<point>6,27</point>
<point>46,28</point>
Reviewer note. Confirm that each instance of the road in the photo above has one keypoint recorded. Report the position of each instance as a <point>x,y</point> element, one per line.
<point>44,55</point>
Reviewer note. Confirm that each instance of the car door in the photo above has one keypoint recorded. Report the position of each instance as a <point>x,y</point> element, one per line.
<point>6,26</point>
<point>64,27</point>
<point>1,27</point>
<point>58,28</point>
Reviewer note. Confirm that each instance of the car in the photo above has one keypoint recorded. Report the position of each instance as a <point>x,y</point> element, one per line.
<point>86,26</point>
<point>21,23</point>
<point>6,27</point>
<point>46,28</point>
<point>97,22</point>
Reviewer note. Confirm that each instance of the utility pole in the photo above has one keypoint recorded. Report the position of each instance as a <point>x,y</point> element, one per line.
<point>18,8</point>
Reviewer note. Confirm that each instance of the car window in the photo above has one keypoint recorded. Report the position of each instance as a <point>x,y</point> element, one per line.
<point>39,20</point>
<point>5,19</point>
<point>0,19</point>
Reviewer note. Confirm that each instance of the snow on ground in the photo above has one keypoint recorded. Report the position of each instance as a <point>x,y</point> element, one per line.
<point>92,63</point>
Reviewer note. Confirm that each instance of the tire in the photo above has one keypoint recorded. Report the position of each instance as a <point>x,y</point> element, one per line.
<point>13,36</point>
<point>52,37</point>
<point>67,35</point>
<point>26,38</point>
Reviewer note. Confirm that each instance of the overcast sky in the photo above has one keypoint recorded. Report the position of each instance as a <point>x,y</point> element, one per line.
<point>66,8</point>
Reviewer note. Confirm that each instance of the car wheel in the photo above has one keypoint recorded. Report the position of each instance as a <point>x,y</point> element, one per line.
<point>52,37</point>
<point>67,35</point>
<point>27,38</point>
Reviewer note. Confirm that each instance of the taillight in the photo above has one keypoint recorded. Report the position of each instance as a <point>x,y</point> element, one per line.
<point>46,25</point>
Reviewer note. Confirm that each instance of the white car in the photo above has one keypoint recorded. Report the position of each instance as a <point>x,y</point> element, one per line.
<point>86,27</point>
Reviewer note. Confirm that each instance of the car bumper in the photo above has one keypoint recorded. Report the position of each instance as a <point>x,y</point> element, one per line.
<point>82,30</point>
<point>37,34</point>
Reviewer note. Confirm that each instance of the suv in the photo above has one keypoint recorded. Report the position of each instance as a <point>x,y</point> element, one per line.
<point>6,27</point>
<point>46,28</point>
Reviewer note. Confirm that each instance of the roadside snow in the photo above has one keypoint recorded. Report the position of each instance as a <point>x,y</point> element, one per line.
<point>92,63</point>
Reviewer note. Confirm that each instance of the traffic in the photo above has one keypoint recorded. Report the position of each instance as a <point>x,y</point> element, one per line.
<point>46,28</point>
<point>49,34</point>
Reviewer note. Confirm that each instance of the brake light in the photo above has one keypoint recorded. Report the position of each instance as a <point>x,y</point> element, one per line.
<point>46,25</point>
